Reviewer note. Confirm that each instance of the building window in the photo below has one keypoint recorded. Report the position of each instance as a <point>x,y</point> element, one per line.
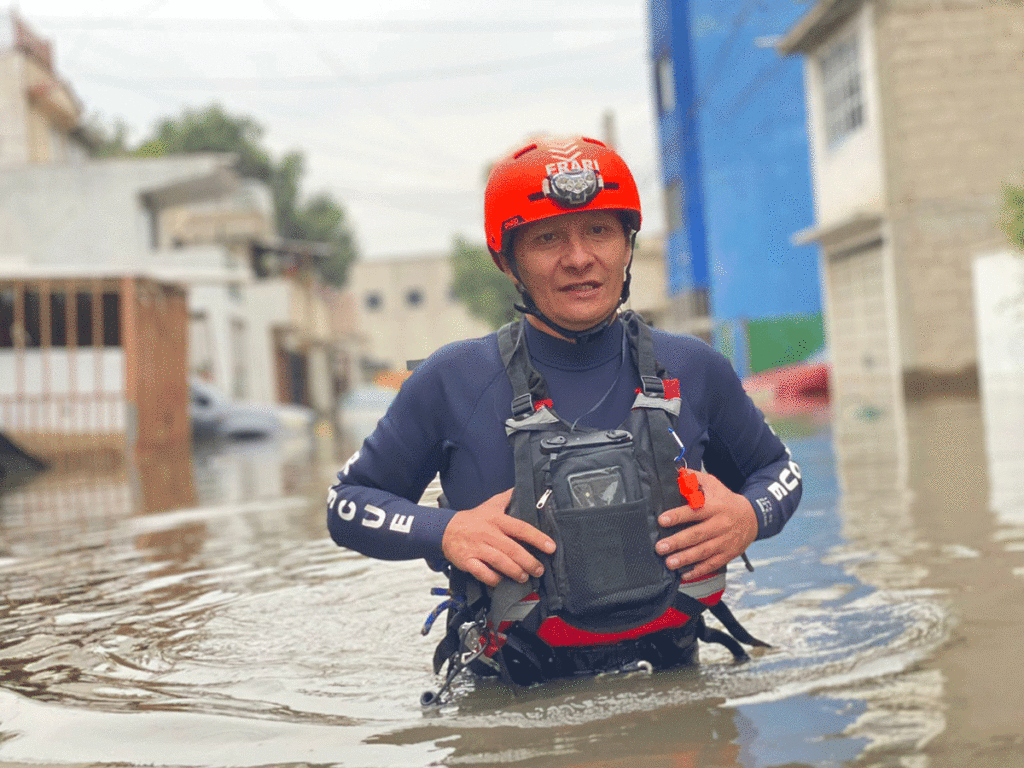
<point>374,301</point>
<point>840,80</point>
<point>414,297</point>
<point>665,82</point>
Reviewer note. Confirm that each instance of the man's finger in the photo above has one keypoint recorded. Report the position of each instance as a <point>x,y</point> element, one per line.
<point>507,546</point>
<point>506,565</point>
<point>692,555</point>
<point>699,534</point>
<point>526,533</point>
<point>677,542</point>
<point>706,567</point>
<point>521,557</point>
<point>684,514</point>
<point>478,570</point>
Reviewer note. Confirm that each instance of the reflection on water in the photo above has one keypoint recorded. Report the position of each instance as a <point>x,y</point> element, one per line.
<point>191,610</point>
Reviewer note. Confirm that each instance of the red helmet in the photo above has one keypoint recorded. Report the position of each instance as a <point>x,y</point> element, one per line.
<point>549,177</point>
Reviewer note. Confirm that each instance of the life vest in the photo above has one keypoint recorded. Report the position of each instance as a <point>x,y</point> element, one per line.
<point>605,592</point>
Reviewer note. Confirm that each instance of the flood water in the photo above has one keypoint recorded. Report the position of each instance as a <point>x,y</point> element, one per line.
<point>192,611</point>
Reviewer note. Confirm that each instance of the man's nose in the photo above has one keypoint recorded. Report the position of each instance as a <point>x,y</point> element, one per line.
<point>578,255</point>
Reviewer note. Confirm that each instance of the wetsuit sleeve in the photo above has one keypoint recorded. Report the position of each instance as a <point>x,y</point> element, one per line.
<point>746,455</point>
<point>372,508</point>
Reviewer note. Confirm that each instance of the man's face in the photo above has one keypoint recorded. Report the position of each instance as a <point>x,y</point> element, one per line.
<point>573,266</point>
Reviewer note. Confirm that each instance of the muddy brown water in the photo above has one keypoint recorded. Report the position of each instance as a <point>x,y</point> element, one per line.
<point>192,611</point>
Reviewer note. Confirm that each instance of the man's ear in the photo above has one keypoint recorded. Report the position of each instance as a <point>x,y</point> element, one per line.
<point>503,263</point>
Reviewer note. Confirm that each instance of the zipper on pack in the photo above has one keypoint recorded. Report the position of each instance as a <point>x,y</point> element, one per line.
<point>543,499</point>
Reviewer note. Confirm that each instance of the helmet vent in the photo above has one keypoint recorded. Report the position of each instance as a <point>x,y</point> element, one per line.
<point>593,141</point>
<point>523,151</point>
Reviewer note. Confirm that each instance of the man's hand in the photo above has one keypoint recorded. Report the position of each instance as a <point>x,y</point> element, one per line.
<point>485,542</point>
<point>724,527</point>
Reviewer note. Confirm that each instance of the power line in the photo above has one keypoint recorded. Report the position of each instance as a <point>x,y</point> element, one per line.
<point>445,205</point>
<point>406,129</point>
<point>347,80</point>
<point>140,22</point>
<point>722,54</point>
<point>150,8</point>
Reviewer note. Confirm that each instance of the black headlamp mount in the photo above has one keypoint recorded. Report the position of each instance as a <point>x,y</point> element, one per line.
<point>573,189</point>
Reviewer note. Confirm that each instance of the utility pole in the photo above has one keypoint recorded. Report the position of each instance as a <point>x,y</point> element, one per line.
<point>608,120</point>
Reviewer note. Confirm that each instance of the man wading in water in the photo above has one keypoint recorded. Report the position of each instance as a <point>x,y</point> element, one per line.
<point>578,534</point>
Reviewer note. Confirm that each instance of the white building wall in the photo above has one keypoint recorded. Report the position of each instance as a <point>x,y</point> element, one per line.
<point>848,178</point>
<point>267,308</point>
<point>88,213</point>
<point>647,287</point>
<point>999,322</point>
<point>13,118</point>
<point>216,304</point>
<point>320,394</point>
<point>92,215</point>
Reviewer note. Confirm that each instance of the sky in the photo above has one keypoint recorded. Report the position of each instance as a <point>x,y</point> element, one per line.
<point>397,105</point>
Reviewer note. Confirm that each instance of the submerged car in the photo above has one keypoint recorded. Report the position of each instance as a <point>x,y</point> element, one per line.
<point>215,415</point>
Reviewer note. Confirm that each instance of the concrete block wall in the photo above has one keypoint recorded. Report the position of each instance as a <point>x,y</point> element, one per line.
<point>951,75</point>
<point>863,369</point>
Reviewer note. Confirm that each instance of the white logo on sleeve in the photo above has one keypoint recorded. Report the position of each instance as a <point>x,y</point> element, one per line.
<point>789,479</point>
<point>401,523</point>
<point>348,464</point>
<point>347,510</point>
<point>374,516</point>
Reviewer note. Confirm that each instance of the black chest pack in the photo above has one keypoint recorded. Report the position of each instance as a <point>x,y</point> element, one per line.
<point>606,599</point>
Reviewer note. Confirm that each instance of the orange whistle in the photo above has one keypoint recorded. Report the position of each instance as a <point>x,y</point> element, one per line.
<point>689,486</point>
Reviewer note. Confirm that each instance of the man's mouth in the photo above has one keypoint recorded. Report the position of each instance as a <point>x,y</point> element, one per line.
<point>581,287</point>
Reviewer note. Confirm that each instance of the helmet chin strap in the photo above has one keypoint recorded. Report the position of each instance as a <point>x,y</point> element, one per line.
<point>529,306</point>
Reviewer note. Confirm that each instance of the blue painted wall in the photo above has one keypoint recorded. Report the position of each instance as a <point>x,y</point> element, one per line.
<point>747,168</point>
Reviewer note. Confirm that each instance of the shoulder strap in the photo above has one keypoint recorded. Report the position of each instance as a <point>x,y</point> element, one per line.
<point>641,345</point>
<point>654,413</point>
<point>527,384</point>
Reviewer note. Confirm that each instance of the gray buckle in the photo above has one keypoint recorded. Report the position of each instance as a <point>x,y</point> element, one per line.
<point>653,386</point>
<point>522,405</point>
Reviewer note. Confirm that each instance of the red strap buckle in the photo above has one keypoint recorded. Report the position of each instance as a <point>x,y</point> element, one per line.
<point>671,388</point>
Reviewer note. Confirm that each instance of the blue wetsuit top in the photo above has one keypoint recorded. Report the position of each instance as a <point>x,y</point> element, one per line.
<point>449,417</point>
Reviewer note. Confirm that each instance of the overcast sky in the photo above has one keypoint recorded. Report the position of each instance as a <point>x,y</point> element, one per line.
<point>397,105</point>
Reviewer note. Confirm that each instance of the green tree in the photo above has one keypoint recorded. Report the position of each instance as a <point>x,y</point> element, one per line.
<point>320,218</point>
<point>1013,214</point>
<point>212,130</point>
<point>482,287</point>
<point>106,140</point>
